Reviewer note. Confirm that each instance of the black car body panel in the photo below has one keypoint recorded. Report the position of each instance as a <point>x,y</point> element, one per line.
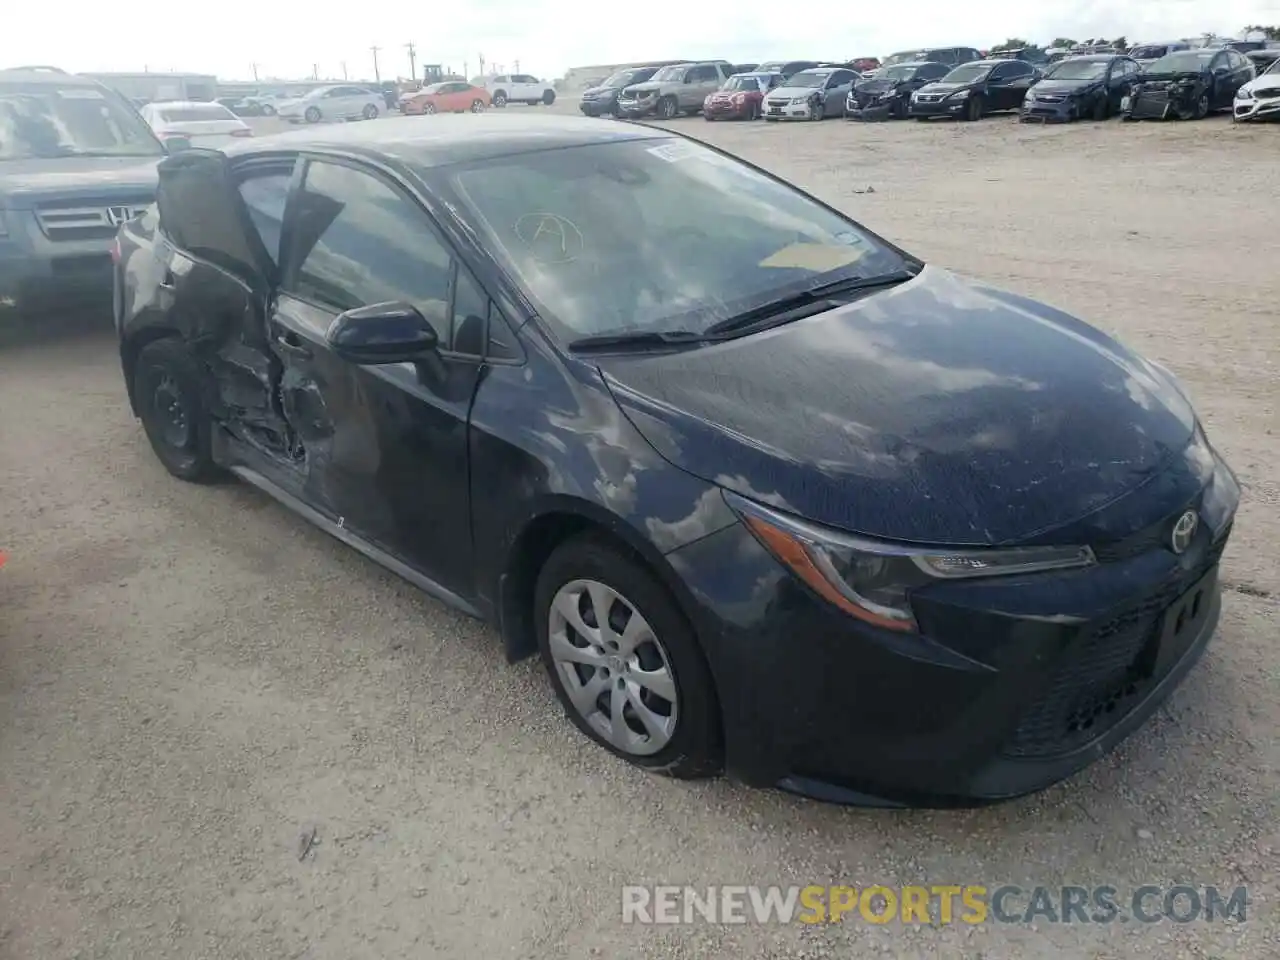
<point>798,415</point>
<point>939,410</point>
<point>883,96</point>
<point>1189,84</point>
<point>603,101</point>
<point>1002,85</point>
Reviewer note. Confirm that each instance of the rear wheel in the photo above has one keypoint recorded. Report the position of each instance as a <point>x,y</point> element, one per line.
<point>624,661</point>
<point>268,110</point>
<point>668,108</point>
<point>312,115</point>
<point>477,106</point>
<point>370,111</point>
<point>168,391</point>
<point>500,99</point>
<point>548,97</point>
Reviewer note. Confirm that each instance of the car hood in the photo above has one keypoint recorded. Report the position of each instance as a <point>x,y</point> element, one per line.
<point>600,91</point>
<point>940,411</point>
<point>876,85</point>
<point>785,91</point>
<point>1065,86</point>
<point>1173,75</point>
<point>649,86</point>
<point>27,182</point>
<point>1269,82</point>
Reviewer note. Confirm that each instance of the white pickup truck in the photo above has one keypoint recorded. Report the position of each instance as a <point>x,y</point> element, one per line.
<point>507,88</point>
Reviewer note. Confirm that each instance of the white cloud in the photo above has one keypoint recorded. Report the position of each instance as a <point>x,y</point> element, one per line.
<point>547,37</point>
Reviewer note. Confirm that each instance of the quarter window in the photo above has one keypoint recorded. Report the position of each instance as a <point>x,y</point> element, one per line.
<point>265,195</point>
<point>361,241</point>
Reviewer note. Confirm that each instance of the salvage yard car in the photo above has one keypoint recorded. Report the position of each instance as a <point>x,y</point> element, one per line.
<point>748,477</point>
<point>76,160</point>
<point>810,95</point>
<point>1188,85</point>
<point>1259,99</point>
<point>673,90</point>
<point>337,102</point>
<point>194,123</point>
<point>741,96</point>
<point>974,90</point>
<point>451,96</point>
<point>887,93</point>
<point>601,100</point>
<point>1092,86</point>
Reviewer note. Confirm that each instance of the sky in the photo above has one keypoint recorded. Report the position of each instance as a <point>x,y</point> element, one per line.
<point>545,37</point>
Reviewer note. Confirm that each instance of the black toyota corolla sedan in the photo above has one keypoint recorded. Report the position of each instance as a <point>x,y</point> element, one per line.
<point>763,490</point>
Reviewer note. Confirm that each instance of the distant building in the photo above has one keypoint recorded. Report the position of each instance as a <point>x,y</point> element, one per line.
<point>149,87</point>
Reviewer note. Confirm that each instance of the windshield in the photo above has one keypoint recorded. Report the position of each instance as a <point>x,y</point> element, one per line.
<point>1077,70</point>
<point>624,77</point>
<point>746,81</point>
<point>1183,61</point>
<point>654,235</point>
<point>968,73</point>
<point>675,72</point>
<point>905,57</point>
<point>434,88</point>
<point>903,72</point>
<point>41,121</point>
<point>809,78</point>
<point>1274,68</point>
<point>1151,52</point>
<point>195,112</point>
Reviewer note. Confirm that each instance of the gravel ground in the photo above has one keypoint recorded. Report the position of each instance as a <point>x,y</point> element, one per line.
<point>192,678</point>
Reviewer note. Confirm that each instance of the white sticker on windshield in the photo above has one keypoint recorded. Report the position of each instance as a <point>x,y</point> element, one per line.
<point>672,152</point>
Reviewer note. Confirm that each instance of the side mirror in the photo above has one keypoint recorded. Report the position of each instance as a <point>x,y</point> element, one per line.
<point>391,332</point>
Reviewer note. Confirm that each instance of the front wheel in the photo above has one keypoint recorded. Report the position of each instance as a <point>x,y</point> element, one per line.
<point>429,108</point>
<point>1202,107</point>
<point>1101,107</point>
<point>312,115</point>
<point>668,108</point>
<point>624,661</point>
<point>973,109</point>
<point>169,396</point>
<point>268,110</point>
<point>477,106</point>
<point>370,112</point>
<point>500,99</point>
<point>819,111</point>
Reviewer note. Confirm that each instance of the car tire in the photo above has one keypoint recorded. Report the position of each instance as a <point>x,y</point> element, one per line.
<point>370,112</point>
<point>819,111</point>
<point>428,108</point>
<point>268,110</point>
<point>685,741</point>
<point>312,115</point>
<point>898,111</point>
<point>668,108</point>
<point>548,97</point>
<point>973,109</point>
<point>1203,106</point>
<point>1101,108</point>
<point>499,99</point>
<point>754,112</point>
<point>168,390</point>
<point>477,106</point>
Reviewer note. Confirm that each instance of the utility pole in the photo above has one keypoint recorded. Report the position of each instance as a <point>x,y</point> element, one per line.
<point>377,77</point>
<point>413,63</point>
<point>254,68</point>
<point>344,69</point>
<point>482,64</point>
<point>517,63</point>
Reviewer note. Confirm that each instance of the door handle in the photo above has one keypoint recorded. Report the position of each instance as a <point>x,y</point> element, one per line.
<point>289,344</point>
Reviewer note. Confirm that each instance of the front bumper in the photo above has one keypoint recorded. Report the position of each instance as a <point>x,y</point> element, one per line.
<point>1259,108</point>
<point>1163,104</point>
<point>35,281</point>
<point>1013,684</point>
<point>1057,110</point>
<point>598,108</point>
<point>634,109</point>
<point>773,110</point>
<point>937,108</point>
<point>869,108</point>
<point>727,111</point>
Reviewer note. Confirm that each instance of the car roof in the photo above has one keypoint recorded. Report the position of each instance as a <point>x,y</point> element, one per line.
<point>916,63</point>
<point>49,76</point>
<point>1094,57</point>
<point>443,140</point>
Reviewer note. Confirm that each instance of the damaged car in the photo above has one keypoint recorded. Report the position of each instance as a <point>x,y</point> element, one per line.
<point>810,95</point>
<point>1259,99</point>
<point>887,94</point>
<point>741,97</point>
<point>1188,85</point>
<point>1079,87</point>
<point>745,475</point>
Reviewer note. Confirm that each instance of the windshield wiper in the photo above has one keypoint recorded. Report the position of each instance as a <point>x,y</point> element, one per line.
<point>636,340</point>
<point>778,310</point>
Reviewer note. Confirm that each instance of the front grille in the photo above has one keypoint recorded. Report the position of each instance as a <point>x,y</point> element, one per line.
<point>1102,674</point>
<point>1152,537</point>
<point>87,219</point>
<point>929,97</point>
<point>778,103</point>
<point>1049,99</point>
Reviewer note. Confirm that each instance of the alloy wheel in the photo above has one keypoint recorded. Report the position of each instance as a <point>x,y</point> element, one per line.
<point>613,667</point>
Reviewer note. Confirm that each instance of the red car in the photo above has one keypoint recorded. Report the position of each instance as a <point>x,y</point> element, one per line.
<point>865,64</point>
<point>740,97</point>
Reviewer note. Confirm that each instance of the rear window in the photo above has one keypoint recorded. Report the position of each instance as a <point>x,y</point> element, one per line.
<point>196,112</point>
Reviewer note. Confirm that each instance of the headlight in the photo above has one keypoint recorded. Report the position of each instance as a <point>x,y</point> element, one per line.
<point>873,581</point>
<point>799,100</point>
<point>1244,94</point>
<point>960,95</point>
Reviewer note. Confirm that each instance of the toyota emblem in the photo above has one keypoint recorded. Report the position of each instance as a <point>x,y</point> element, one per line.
<point>1183,531</point>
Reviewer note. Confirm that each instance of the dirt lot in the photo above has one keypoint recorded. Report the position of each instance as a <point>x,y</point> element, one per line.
<point>190,678</point>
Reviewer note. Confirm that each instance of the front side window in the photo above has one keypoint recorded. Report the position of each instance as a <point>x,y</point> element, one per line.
<point>195,113</point>
<point>968,73</point>
<point>671,74</point>
<point>815,79</point>
<point>652,235</point>
<point>41,122</point>
<point>359,241</point>
<point>1077,70</point>
<point>264,195</point>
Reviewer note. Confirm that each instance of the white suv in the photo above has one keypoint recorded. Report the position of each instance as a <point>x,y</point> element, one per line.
<point>519,88</point>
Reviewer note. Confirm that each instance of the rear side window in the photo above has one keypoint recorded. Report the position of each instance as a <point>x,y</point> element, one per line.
<point>264,196</point>
<point>360,241</point>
